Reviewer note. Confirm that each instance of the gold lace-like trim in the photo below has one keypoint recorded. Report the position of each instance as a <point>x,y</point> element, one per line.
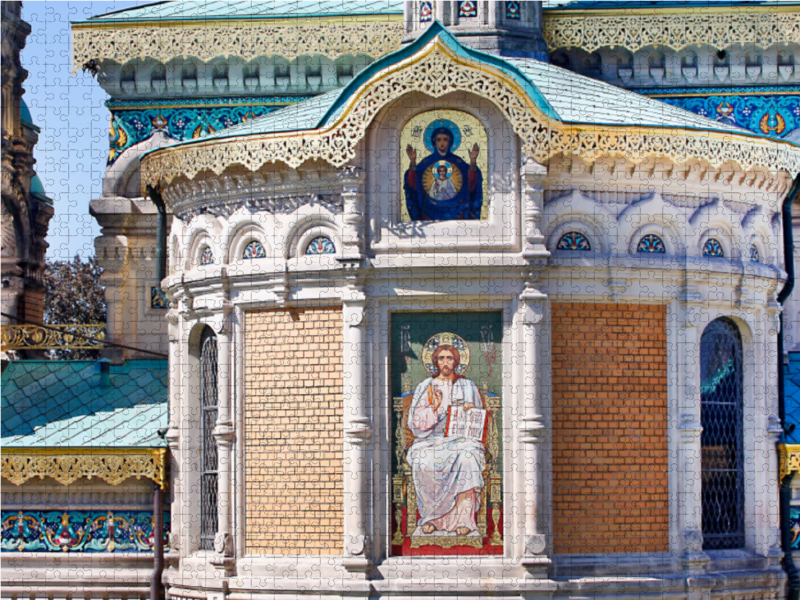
<point>675,31</point>
<point>114,466</point>
<point>250,41</point>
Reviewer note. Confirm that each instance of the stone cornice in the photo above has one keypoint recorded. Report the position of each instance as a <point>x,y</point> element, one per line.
<point>437,70</point>
<point>163,41</point>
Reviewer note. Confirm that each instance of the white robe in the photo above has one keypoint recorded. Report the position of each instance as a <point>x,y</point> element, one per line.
<point>443,467</point>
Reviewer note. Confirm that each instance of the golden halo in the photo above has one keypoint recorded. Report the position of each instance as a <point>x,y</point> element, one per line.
<point>450,339</point>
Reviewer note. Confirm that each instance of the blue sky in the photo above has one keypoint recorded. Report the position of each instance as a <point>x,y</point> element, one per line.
<point>73,144</point>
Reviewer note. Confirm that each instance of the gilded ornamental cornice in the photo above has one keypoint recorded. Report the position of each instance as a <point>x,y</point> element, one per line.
<point>332,38</point>
<point>65,465</point>
<point>789,458</point>
<point>718,26</point>
<point>435,71</point>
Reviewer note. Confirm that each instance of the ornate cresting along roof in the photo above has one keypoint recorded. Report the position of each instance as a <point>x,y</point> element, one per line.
<point>437,64</point>
<point>206,30</point>
<point>73,419</point>
<point>676,27</point>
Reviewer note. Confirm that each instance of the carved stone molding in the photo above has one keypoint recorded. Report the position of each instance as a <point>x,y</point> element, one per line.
<point>676,31</point>
<point>246,41</point>
<point>18,465</point>
<point>436,72</point>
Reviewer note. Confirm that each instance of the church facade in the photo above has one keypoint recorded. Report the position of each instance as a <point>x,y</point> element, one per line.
<point>444,316</point>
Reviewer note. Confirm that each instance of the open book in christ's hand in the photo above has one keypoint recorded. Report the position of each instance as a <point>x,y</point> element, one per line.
<point>467,423</point>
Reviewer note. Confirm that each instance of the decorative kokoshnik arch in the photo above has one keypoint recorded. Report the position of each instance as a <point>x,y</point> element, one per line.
<point>439,69</point>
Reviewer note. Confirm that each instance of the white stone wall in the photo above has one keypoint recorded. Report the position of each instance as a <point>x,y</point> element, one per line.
<point>384,265</point>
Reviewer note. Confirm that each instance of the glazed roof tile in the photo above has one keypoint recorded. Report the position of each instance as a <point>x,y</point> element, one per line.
<point>579,99</point>
<point>83,404</point>
<point>183,10</point>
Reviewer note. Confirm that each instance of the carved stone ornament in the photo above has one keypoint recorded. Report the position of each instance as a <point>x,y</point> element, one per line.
<point>675,31</point>
<point>437,71</point>
<point>66,466</point>
<point>246,41</point>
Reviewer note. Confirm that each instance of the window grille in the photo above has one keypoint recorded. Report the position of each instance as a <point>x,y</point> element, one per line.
<point>721,405</point>
<point>208,450</point>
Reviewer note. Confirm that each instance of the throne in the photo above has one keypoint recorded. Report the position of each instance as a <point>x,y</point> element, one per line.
<point>404,494</point>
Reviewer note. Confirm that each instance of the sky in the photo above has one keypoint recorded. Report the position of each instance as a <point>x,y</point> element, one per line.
<point>70,110</point>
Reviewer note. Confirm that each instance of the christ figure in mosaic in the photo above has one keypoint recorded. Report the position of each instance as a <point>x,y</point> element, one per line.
<point>447,471</point>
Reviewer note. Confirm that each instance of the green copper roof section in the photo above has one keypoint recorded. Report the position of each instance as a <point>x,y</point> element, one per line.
<point>83,404</point>
<point>302,116</point>
<point>579,99</point>
<point>191,10</point>
<point>25,117</point>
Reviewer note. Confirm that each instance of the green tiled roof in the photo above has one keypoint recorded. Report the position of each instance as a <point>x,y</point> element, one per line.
<point>83,404</point>
<point>184,10</point>
<point>579,99</point>
<point>559,93</point>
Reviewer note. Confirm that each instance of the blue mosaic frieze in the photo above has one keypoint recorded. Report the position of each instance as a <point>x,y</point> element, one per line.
<point>79,531</point>
<point>133,122</point>
<point>773,115</point>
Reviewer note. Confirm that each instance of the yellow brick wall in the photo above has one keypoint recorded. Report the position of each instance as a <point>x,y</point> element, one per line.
<point>293,431</point>
<point>610,461</point>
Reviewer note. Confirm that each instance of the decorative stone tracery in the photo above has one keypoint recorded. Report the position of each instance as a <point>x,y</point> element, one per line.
<point>677,31</point>
<point>206,42</point>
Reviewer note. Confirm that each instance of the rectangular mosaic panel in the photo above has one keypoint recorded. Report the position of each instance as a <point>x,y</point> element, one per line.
<point>447,482</point>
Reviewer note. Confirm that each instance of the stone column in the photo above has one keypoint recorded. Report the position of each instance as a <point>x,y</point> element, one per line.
<point>533,428</point>
<point>173,435</point>
<point>357,425</point>
<point>357,431</point>
<point>224,434</point>
<point>689,452</point>
<point>767,537</point>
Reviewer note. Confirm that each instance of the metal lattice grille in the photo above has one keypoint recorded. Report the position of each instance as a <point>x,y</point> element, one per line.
<point>722,441</point>
<point>208,451</point>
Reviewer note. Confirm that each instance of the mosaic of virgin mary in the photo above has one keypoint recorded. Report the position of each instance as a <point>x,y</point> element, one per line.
<point>443,186</point>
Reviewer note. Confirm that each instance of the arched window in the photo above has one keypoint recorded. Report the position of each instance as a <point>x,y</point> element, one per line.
<point>206,256</point>
<point>651,243</point>
<point>573,240</point>
<point>254,250</point>
<point>321,245</point>
<point>208,446</point>
<point>722,440</point>
<point>713,249</point>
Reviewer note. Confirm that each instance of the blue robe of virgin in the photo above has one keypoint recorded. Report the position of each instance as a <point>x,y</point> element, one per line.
<point>466,204</point>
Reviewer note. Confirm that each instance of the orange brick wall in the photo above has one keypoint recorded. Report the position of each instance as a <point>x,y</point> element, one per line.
<point>293,431</point>
<point>609,428</point>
